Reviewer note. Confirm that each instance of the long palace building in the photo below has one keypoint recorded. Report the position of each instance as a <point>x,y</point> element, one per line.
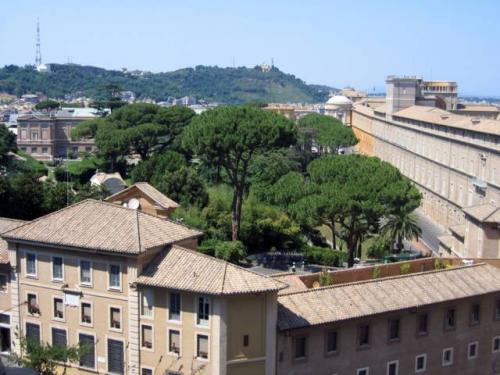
<point>453,159</point>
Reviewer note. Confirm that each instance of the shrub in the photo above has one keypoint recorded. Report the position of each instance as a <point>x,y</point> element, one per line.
<point>325,256</point>
<point>404,268</point>
<point>325,278</point>
<point>439,264</point>
<point>380,247</point>
<point>231,251</point>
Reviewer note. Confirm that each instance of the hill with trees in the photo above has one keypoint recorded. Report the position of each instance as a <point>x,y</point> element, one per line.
<point>211,83</point>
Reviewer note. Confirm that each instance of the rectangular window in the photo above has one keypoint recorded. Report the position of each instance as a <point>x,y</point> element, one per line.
<point>86,311</point>
<point>421,363</point>
<point>34,150</point>
<point>114,276</point>
<point>475,314</point>
<point>4,319</point>
<point>495,346</point>
<point>45,150</point>
<point>33,333</point>
<point>363,371</point>
<point>447,357</point>
<point>3,282</point>
<point>57,269</point>
<point>146,371</point>
<point>33,304</point>
<point>59,337</point>
<point>246,340</point>
<point>472,350</point>
<point>174,306</point>
<point>31,264</point>
<point>85,272</point>
<point>299,347</point>
<point>147,302</point>
<point>422,324</point>
<point>449,319</point>
<point>393,329</point>
<point>58,308</point>
<point>392,368</point>
<point>174,341</point>
<point>497,310</point>
<point>147,336</point>
<point>364,335</point>
<point>88,357</point>
<point>203,311</point>
<point>202,346</point>
<point>115,318</point>
<point>116,360</point>
<point>331,342</point>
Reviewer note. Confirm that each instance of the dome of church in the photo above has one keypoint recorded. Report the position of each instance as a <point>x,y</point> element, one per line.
<point>339,100</point>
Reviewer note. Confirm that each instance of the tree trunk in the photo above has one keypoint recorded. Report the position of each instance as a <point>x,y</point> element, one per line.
<point>352,250</point>
<point>236,212</point>
<point>334,236</point>
<point>360,241</point>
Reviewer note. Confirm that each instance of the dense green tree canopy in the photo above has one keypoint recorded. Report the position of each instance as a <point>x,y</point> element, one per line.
<point>231,137</point>
<point>352,191</point>
<point>223,85</point>
<point>47,105</point>
<point>7,143</point>
<point>135,129</point>
<point>326,133</point>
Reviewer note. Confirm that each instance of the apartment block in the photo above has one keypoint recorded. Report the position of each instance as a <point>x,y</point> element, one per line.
<point>132,286</point>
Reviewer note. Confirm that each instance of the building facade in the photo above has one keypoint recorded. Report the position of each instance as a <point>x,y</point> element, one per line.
<point>454,160</point>
<point>132,287</point>
<point>47,136</point>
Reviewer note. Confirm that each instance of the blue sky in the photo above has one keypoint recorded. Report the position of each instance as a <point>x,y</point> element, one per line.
<point>337,43</point>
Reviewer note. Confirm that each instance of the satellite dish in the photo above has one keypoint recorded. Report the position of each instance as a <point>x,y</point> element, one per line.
<point>133,204</point>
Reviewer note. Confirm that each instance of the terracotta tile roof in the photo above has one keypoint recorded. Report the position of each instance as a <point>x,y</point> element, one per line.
<point>365,298</point>
<point>441,117</point>
<point>484,213</point>
<point>189,270</point>
<point>7,224</point>
<point>102,226</point>
<point>294,282</point>
<point>159,198</point>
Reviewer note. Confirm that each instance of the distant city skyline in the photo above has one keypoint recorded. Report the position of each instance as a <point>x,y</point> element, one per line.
<point>322,42</point>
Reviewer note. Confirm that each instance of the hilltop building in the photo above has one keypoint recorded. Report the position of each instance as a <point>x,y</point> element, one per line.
<point>453,159</point>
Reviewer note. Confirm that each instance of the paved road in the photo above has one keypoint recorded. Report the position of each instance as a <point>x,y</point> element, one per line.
<point>430,231</point>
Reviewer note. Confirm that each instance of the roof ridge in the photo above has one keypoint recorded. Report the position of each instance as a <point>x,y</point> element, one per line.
<point>224,279</point>
<point>137,225</point>
<point>228,264</point>
<point>48,215</point>
<point>378,280</point>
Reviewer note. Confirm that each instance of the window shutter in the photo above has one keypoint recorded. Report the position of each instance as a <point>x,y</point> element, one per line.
<point>59,337</point>
<point>87,359</point>
<point>115,357</point>
<point>33,332</point>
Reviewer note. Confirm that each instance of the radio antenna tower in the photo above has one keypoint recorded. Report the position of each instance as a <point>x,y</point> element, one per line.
<point>38,58</point>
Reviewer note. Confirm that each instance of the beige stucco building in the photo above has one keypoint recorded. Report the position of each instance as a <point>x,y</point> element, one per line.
<point>132,286</point>
<point>46,136</point>
<point>454,160</point>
